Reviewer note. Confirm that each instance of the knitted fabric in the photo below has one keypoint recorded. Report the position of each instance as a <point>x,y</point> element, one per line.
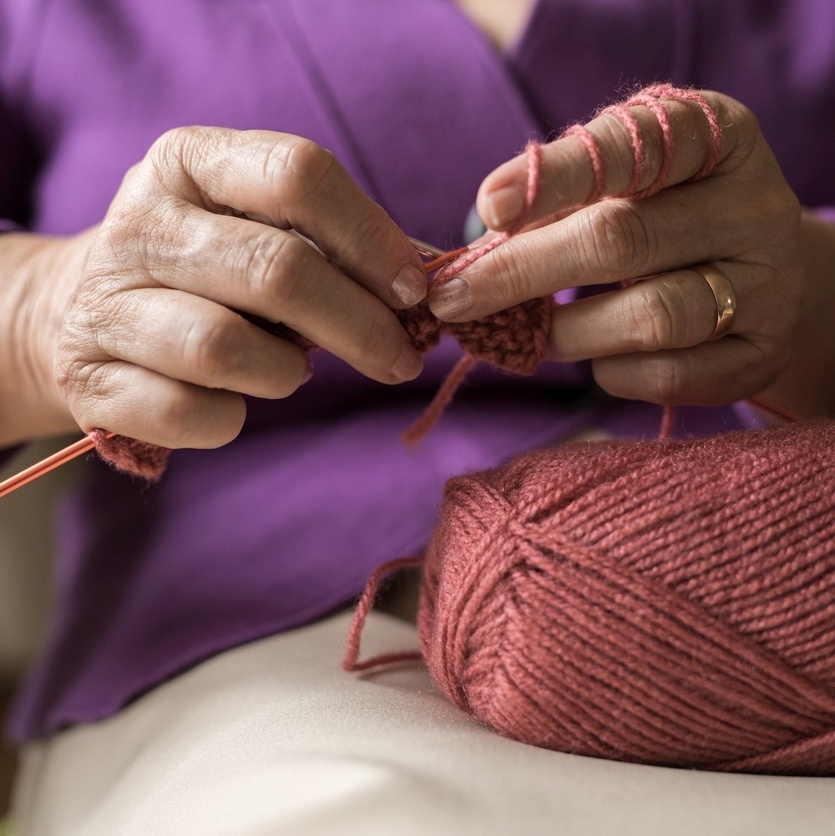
<point>139,458</point>
<point>657,602</point>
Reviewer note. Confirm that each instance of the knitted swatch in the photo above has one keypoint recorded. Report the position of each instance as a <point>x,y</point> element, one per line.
<point>657,602</point>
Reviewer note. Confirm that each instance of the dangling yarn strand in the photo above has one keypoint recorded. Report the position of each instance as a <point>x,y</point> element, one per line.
<point>414,434</point>
<point>364,606</point>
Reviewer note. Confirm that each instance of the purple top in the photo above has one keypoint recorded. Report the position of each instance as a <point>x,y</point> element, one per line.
<point>285,523</point>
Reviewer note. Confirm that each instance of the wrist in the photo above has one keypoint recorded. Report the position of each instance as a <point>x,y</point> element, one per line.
<point>41,275</point>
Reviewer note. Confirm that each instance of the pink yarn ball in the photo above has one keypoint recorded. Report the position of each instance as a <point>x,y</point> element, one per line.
<point>656,602</point>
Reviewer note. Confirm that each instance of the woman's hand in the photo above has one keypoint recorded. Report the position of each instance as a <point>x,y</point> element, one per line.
<point>204,233</point>
<point>652,339</point>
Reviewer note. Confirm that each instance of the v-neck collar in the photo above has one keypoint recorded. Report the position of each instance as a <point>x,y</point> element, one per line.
<point>517,45</point>
<point>418,96</point>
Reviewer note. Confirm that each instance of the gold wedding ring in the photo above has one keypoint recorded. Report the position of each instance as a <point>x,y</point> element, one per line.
<point>724,295</point>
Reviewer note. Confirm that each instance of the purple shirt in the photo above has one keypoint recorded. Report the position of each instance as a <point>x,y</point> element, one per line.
<point>285,524</point>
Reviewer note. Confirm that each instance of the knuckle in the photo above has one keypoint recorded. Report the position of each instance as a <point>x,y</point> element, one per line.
<point>732,112</point>
<point>139,231</point>
<point>742,137</point>
<point>662,379</point>
<point>176,411</point>
<point>81,329</point>
<point>83,382</point>
<point>365,246</point>
<point>174,148</point>
<point>276,270</point>
<point>658,316</point>
<point>512,271</point>
<point>181,157</point>
<point>616,240</point>
<point>210,347</point>
<point>181,416</point>
<point>665,380</point>
<point>296,168</point>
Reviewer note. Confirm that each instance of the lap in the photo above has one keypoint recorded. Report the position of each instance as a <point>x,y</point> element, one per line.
<point>275,738</point>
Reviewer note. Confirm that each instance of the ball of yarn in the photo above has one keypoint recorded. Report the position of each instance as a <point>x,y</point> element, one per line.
<point>666,603</point>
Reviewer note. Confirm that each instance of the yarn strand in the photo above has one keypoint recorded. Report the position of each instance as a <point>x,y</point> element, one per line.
<point>364,606</point>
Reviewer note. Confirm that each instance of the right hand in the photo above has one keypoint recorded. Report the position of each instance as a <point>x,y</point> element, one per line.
<point>153,345</point>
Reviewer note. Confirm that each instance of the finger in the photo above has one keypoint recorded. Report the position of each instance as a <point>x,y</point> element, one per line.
<point>577,170</point>
<point>276,275</point>
<point>292,183</point>
<point>139,403</point>
<point>191,339</point>
<point>675,310</point>
<point>709,374</point>
<point>619,240</point>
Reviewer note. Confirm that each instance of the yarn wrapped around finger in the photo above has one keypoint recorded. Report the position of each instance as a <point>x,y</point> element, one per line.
<point>667,603</point>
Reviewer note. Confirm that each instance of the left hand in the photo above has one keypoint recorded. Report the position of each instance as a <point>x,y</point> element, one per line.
<point>652,339</point>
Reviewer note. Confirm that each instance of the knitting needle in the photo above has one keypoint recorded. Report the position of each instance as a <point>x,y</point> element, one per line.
<point>438,256</point>
<point>426,249</point>
<point>50,463</point>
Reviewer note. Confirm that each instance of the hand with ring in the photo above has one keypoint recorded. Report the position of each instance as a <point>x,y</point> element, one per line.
<point>705,275</point>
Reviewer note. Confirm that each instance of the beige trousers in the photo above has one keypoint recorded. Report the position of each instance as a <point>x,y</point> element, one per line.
<point>273,738</point>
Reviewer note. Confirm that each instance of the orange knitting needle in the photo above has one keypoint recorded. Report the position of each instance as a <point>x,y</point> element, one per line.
<point>438,257</point>
<point>47,464</point>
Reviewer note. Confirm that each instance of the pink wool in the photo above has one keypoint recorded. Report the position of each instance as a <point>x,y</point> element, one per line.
<point>127,455</point>
<point>665,603</point>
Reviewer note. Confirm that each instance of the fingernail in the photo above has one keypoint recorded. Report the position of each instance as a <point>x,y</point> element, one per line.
<point>505,206</point>
<point>451,299</point>
<point>409,285</point>
<point>409,364</point>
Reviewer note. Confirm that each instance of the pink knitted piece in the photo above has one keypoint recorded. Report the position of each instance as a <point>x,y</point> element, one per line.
<point>127,455</point>
<point>657,602</point>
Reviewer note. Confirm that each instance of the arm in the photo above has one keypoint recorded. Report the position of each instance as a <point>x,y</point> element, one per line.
<point>40,275</point>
